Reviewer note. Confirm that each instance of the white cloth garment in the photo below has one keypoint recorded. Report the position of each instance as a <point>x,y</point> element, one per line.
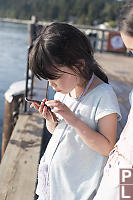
<point>76,169</point>
<point>120,157</point>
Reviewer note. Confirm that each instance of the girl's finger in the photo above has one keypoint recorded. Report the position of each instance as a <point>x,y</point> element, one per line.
<point>44,100</point>
<point>36,106</point>
<point>53,103</point>
<point>45,110</point>
<point>47,114</point>
<point>41,107</point>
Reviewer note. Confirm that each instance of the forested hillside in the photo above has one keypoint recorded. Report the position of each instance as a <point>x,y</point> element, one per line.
<point>79,11</point>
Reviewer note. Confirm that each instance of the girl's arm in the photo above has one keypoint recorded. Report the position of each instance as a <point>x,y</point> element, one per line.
<point>102,141</point>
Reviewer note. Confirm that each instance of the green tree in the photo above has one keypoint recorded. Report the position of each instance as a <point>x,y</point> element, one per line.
<point>86,11</point>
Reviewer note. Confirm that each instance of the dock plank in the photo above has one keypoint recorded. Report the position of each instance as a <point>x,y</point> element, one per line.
<point>20,161</point>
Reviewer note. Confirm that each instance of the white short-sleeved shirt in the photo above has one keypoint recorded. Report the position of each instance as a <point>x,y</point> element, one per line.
<point>76,169</point>
<point>120,157</point>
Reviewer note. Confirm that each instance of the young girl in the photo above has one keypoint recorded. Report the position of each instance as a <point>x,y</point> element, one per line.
<point>84,115</point>
<point>122,154</point>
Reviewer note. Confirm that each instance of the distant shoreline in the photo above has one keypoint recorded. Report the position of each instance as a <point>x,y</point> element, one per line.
<point>45,23</point>
<point>22,21</point>
<point>18,21</point>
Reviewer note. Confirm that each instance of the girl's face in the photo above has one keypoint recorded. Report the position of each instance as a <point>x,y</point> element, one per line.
<point>128,41</point>
<point>66,83</point>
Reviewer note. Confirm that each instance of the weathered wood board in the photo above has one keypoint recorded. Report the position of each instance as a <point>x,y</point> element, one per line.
<point>18,170</point>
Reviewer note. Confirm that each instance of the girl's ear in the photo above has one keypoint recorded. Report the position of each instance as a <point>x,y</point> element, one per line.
<point>81,62</point>
<point>79,66</point>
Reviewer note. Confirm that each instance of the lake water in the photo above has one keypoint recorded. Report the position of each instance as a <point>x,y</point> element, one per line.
<point>13,55</point>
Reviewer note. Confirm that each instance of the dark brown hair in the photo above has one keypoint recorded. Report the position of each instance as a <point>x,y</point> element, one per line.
<point>61,44</point>
<point>126,18</point>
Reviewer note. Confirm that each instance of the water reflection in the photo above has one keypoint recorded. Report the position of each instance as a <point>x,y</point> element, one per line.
<point>13,54</point>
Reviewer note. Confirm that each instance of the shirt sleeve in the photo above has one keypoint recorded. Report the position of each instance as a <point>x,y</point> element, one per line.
<point>108,104</point>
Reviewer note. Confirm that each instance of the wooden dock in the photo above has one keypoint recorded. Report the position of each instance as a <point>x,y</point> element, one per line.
<point>18,169</point>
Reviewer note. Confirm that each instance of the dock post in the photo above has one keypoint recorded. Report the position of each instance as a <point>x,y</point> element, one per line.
<point>31,37</point>
<point>10,117</point>
<point>102,42</point>
<point>7,127</point>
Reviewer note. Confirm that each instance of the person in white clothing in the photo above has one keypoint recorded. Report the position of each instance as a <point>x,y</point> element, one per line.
<point>121,156</point>
<point>84,114</point>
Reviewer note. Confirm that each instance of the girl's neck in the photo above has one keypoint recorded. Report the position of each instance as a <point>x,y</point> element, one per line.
<point>77,91</point>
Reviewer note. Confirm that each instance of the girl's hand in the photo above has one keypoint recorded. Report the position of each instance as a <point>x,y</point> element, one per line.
<point>45,111</point>
<point>63,110</point>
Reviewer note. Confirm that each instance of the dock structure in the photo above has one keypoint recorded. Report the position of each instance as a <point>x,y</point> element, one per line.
<point>18,169</point>
<point>19,165</point>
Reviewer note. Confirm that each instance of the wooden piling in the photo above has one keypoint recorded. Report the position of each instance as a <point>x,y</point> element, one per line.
<point>31,37</point>
<point>10,118</point>
<point>7,127</point>
<point>33,30</point>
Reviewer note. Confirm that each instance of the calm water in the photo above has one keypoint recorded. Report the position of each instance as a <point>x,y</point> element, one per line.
<point>13,54</point>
